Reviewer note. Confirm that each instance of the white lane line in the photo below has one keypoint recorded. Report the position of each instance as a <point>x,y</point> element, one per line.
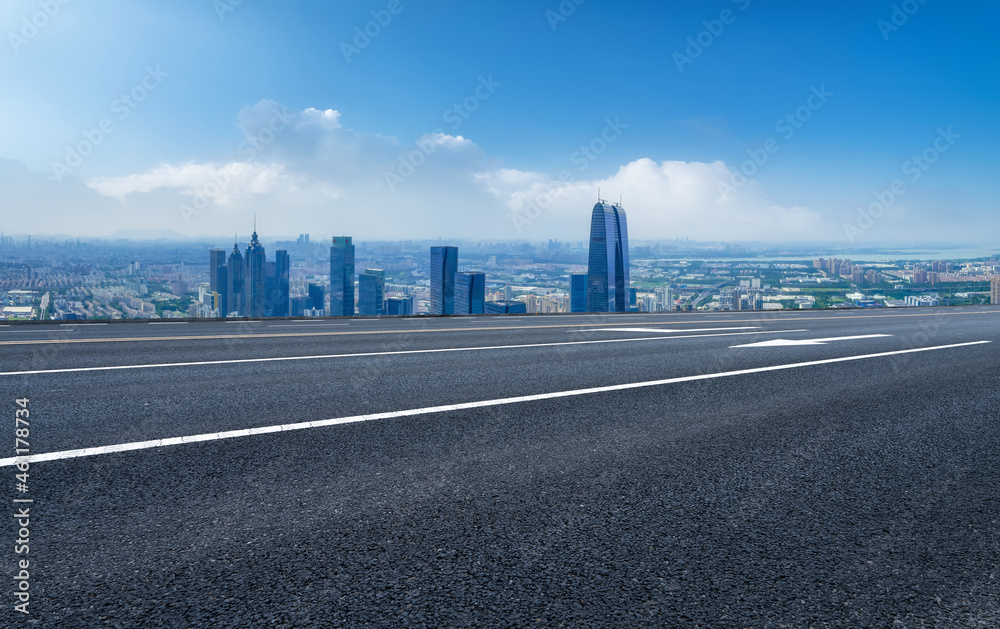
<point>301,325</point>
<point>788,342</point>
<point>369,354</point>
<point>665,330</point>
<point>241,322</point>
<point>168,323</point>
<point>231,434</point>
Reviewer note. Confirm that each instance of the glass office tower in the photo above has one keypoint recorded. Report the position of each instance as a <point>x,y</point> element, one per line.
<point>578,292</point>
<point>371,293</point>
<point>256,278</point>
<point>608,265</point>
<point>235,275</point>
<point>218,279</point>
<point>470,293</point>
<point>342,277</point>
<point>444,266</point>
<point>399,306</point>
<point>280,298</point>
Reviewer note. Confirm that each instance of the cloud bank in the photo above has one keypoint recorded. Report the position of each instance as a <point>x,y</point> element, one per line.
<point>306,172</point>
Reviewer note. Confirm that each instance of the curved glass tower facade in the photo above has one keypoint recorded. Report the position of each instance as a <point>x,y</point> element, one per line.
<point>608,265</point>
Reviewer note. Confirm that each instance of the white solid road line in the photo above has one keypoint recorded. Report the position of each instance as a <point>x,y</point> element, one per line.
<point>168,323</point>
<point>301,325</point>
<point>788,342</point>
<point>669,331</point>
<point>232,434</point>
<point>369,354</point>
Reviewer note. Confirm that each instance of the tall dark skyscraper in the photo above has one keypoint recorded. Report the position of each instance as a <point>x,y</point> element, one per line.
<point>371,293</point>
<point>256,278</point>
<point>235,283</point>
<point>315,296</point>
<point>578,292</point>
<point>444,266</point>
<point>470,293</point>
<point>608,267</point>
<point>342,277</point>
<point>218,279</point>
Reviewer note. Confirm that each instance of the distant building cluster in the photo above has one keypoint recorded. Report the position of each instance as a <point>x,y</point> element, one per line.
<point>605,288</point>
<point>845,268</point>
<point>246,284</point>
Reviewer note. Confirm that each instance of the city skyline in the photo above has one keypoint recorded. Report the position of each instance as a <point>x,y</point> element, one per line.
<point>710,135</point>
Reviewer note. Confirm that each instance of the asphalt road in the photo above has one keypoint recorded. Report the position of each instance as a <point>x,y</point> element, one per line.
<point>631,471</point>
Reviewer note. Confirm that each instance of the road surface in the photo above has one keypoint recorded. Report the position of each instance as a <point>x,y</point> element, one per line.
<point>816,468</point>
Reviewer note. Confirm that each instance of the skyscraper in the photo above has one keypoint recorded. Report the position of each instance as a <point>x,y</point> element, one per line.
<point>279,297</point>
<point>578,292</point>
<point>399,305</point>
<point>470,293</point>
<point>444,266</point>
<point>235,283</point>
<point>371,293</point>
<point>608,266</point>
<point>218,279</point>
<point>995,291</point>
<point>316,297</point>
<point>256,277</point>
<point>342,277</point>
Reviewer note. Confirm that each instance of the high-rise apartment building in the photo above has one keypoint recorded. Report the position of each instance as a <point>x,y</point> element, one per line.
<point>342,277</point>
<point>995,291</point>
<point>608,264</point>
<point>470,293</point>
<point>665,299</point>
<point>371,293</point>
<point>444,266</point>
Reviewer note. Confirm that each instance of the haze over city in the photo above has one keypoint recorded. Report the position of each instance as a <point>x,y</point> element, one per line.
<point>736,121</point>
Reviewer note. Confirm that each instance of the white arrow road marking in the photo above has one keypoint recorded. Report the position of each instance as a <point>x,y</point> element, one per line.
<point>787,342</point>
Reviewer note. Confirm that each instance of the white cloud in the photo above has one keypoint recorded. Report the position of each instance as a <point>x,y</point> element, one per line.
<point>305,172</point>
<point>664,200</point>
<point>328,119</point>
<point>226,184</point>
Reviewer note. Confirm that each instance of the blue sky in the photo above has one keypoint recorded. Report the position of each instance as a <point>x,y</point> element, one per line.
<point>556,75</point>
